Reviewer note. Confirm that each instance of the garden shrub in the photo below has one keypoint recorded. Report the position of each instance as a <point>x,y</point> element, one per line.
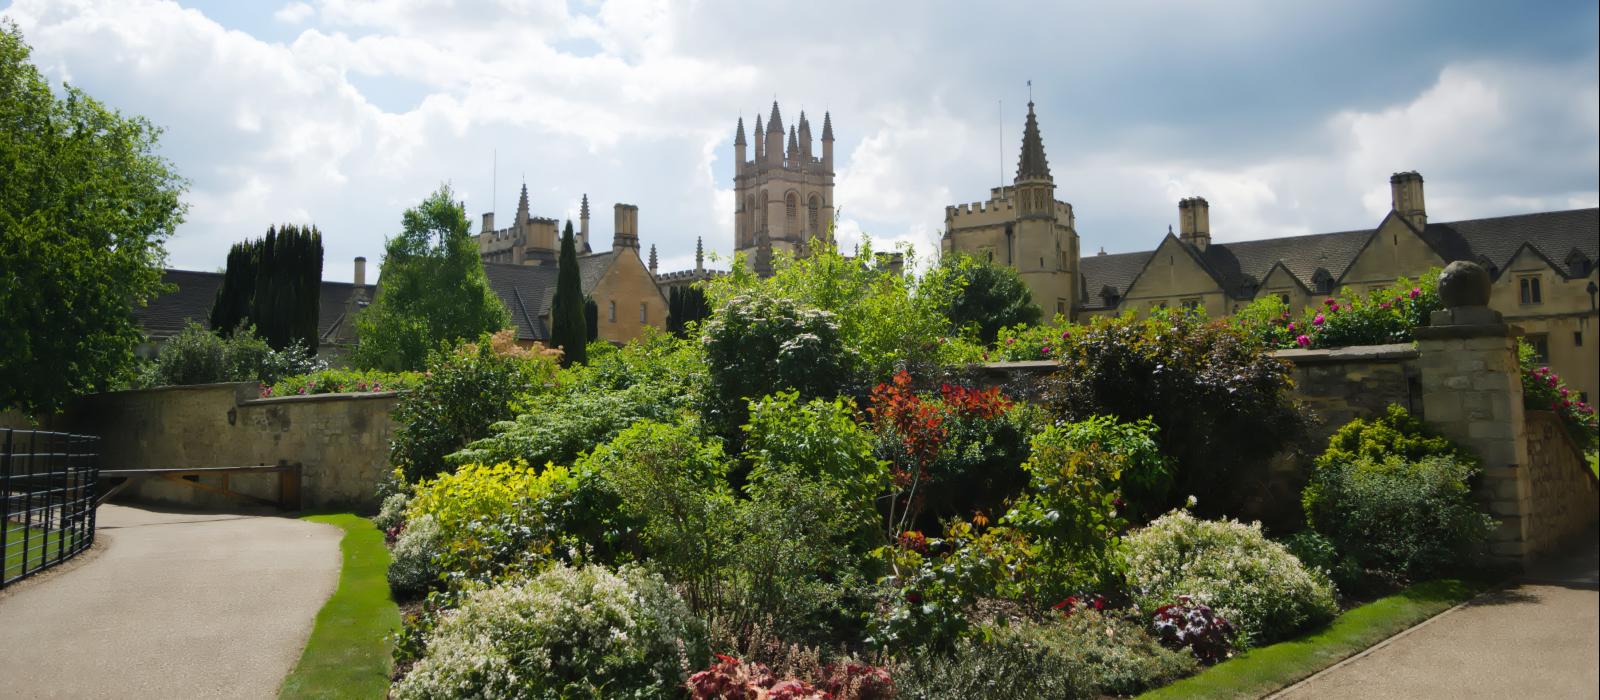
<point>568,632</point>
<point>756,345</point>
<point>465,390</point>
<point>1544,390</point>
<point>1118,655</point>
<point>1196,628</point>
<point>1389,315</point>
<point>929,598</point>
<point>1233,568</point>
<point>1396,519</point>
<point>1221,402</point>
<point>807,524</point>
<point>1006,662</point>
<point>675,483</point>
<point>1074,509</point>
<point>392,513</point>
<point>1394,433</point>
<point>342,381</point>
<point>1032,342</point>
<point>413,565</point>
<point>989,296</point>
<point>890,319</point>
<point>199,356</point>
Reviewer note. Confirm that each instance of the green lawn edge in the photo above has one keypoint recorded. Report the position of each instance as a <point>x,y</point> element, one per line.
<point>348,654</point>
<point>1265,670</point>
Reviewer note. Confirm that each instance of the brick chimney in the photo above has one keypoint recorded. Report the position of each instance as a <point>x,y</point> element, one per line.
<point>1405,190</point>
<point>1194,222</point>
<point>361,271</point>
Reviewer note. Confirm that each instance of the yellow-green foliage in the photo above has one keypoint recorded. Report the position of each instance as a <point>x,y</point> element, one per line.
<point>1394,434</point>
<point>477,491</point>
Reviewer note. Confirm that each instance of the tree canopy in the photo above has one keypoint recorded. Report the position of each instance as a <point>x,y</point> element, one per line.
<point>274,283</point>
<point>569,327</point>
<point>86,206</point>
<point>991,297</point>
<point>432,290</point>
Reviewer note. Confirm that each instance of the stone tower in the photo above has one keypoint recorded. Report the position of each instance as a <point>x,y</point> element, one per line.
<point>783,198</point>
<point>1023,225</point>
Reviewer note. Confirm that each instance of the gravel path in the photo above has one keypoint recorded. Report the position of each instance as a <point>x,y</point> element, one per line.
<point>1539,639</point>
<point>175,605</point>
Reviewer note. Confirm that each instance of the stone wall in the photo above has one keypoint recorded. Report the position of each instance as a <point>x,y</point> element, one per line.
<point>341,440</point>
<point>1564,497</point>
<point>1343,384</point>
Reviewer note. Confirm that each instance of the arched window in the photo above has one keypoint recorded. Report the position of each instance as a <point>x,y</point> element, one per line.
<point>747,220</point>
<point>791,213</point>
<point>813,225</point>
<point>611,314</point>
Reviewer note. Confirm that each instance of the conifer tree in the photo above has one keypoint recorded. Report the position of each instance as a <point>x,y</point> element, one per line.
<point>591,317</point>
<point>274,284</point>
<point>569,329</point>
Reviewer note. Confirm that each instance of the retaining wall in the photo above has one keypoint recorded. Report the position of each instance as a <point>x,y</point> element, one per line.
<point>341,440</point>
<point>1564,498</point>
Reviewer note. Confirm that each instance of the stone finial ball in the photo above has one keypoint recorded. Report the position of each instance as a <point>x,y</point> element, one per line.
<point>1464,283</point>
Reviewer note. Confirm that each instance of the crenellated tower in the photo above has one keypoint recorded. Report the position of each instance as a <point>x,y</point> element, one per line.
<point>783,196</point>
<point>1023,225</point>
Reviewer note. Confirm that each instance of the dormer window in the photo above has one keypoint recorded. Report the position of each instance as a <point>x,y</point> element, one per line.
<point>1528,290</point>
<point>1578,264</point>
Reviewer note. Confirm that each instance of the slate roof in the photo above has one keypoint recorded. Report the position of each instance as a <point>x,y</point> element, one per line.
<point>528,290</point>
<point>196,291</point>
<point>1241,266</point>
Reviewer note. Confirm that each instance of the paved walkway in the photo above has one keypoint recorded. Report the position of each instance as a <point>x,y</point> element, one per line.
<point>1540,639</point>
<point>177,605</point>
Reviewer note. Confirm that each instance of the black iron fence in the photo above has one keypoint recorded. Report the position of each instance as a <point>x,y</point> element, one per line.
<point>47,499</point>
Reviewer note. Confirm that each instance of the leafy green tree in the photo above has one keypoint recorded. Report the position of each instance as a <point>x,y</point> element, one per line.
<point>569,325</point>
<point>991,296</point>
<point>275,284</point>
<point>86,205</point>
<point>432,291</point>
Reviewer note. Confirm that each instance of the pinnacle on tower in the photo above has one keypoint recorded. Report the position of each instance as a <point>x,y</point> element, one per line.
<point>652,258</point>
<point>522,205</point>
<point>776,123</point>
<point>827,127</point>
<point>794,145</point>
<point>1032,165</point>
<point>699,254</point>
<point>738,137</point>
<point>805,137</point>
<point>583,209</point>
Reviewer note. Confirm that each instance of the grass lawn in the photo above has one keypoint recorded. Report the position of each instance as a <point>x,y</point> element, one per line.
<point>348,655</point>
<point>14,552</point>
<point>1258,672</point>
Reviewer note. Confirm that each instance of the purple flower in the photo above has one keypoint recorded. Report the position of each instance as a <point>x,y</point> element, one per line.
<point>1066,334</point>
<point>1319,320</point>
<point>1291,326</point>
<point>1303,341</point>
<point>1044,350</point>
<point>1331,303</point>
<point>1416,292</point>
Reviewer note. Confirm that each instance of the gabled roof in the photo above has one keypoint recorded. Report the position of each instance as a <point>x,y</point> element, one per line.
<point>1244,265</point>
<point>196,292</point>
<point>529,290</point>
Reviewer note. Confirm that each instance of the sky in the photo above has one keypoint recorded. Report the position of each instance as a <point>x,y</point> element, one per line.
<point>1287,117</point>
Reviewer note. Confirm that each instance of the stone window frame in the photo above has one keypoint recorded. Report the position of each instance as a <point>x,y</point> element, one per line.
<point>1191,302</point>
<point>644,307</point>
<point>611,315</point>
<point>1529,291</point>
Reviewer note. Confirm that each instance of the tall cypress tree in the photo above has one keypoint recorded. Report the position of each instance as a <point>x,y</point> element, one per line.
<point>591,318</point>
<point>568,329</point>
<point>274,284</point>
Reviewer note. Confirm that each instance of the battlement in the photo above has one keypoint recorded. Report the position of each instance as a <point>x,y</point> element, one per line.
<point>689,275</point>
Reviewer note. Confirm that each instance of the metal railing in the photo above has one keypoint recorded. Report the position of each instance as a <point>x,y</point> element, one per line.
<point>47,499</point>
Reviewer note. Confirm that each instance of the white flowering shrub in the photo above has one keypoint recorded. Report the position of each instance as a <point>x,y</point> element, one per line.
<point>566,633</point>
<point>413,566</point>
<point>1251,581</point>
<point>393,512</point>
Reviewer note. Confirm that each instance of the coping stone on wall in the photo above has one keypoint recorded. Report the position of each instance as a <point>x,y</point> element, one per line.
<point>312,398</point>
<point>1354,353</point>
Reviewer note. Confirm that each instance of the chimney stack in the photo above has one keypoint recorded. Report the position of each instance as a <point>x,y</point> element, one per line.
<point>1406,198</point>
<point>488,222</point>
<point>1194,222</point>
<point>627,227</point>
<point>361,271</point>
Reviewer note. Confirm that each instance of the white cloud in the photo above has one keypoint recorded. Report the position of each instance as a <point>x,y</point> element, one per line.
<point>294,13</point>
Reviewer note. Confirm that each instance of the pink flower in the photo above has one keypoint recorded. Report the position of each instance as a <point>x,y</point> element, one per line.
<point>1333,307</point>
<point>1011,341</point>
<point>1303,341</point>
<point>1291,326</point>
<point>1552,380</point>
<point>1416,292</point>
<point>1319,320</point>
<point>1331,302</point>
<point>1383,305</point>
<point>1044,350</point>
<point>1564,392</point>
<point>1066,334</point>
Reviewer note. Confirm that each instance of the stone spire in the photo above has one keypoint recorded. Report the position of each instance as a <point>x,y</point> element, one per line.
<point>699,254</point>
<point>1032,165</point>
<point>827,127</point>
<point>522,206</point>
<point>652,258</point>
<point>761,137</point>
<point>583,225</point>
<point>805,137</point>
<point>738,136</point>
<point>776,122</point>
<point>794,147</point>
<point>827,142</point>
